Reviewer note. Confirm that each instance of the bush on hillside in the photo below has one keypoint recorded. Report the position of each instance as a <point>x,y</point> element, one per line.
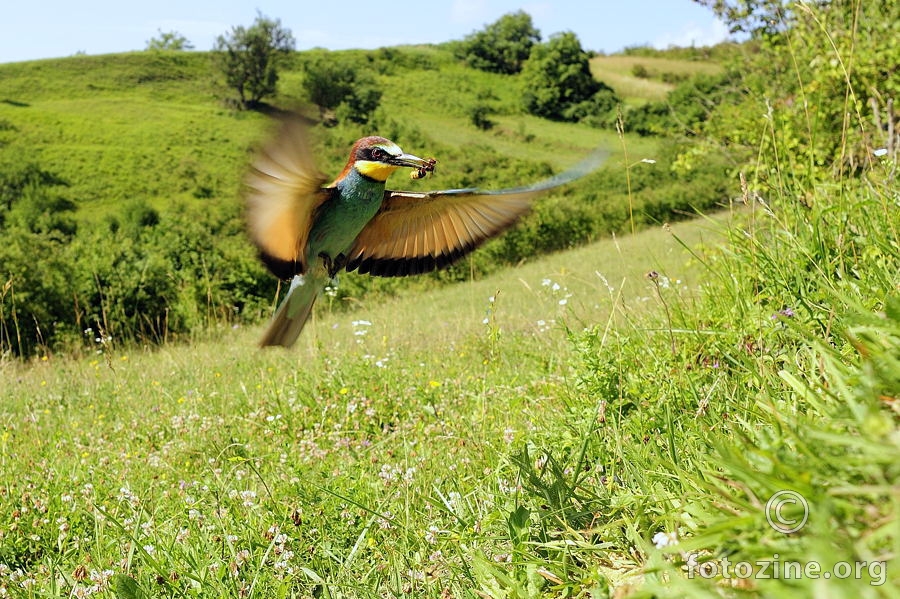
<point>169,41</point>
<point>340,89</point>
<point>687,107</point>
<point>557,83</point>
<point>640,71</point>
<point>144,277</point>
<point>29,199</point>
<point>501,47</point>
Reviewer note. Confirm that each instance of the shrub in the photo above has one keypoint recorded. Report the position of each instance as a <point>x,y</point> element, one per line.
<point>686,107</point>
<point>557,82</point>
<point>640,71</point>
<point>479,116</point>
<point>503,46</point>
<point>340,89</point>
<point>169,41</point>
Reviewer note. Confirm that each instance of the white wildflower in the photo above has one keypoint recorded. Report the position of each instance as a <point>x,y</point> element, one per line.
<point>509,434</point>
<point>409,474</point>
<point>431,535</point>
<point>242,557</point>
<point>505,487</point>
<point>664,539</point>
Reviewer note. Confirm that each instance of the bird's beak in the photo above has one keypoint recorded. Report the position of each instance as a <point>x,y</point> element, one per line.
<point>410,161</point>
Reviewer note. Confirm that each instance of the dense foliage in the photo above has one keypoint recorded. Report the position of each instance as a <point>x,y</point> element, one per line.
<point>788,77</point>
<point>687,107</point>
<point>557,83</point>
<point>339,88</point>
<point>140,276</point>
<point>503,46</point>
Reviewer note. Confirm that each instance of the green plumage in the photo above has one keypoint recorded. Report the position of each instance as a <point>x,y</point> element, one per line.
<point>339,220</point>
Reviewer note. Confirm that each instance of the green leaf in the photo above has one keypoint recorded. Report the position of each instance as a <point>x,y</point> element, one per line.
<point>125,587</point>
<point>519,524</point>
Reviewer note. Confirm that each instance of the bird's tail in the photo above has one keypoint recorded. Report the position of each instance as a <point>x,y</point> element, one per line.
<point>293,312</point>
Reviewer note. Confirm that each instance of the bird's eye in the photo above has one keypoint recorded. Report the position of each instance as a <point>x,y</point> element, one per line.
<point>378,154</point>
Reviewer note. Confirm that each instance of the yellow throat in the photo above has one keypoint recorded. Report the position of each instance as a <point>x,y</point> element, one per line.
<point>374,170</point>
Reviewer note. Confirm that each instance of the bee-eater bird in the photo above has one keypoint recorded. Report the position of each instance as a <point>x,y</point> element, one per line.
<point>308,231</point>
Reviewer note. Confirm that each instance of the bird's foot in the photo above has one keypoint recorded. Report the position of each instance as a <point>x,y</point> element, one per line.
<point>333,265</point>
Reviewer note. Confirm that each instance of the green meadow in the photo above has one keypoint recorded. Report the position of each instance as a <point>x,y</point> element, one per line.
<point>679,378</point>
<point>659,74</point>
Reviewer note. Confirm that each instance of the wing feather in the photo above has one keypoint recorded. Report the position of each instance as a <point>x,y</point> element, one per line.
<point>282,190</point>
<point>441,239</point>
<point>417,232</point>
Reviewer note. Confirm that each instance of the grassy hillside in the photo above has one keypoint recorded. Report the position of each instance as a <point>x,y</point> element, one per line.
<point>146,158</point>
<point>153,125</point>
<point>659,74</point>
<point>377,458</point>
<point>123,128</point>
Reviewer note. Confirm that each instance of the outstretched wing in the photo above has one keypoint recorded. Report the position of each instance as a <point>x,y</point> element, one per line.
<point>283,189</point>
<point>417,232</point>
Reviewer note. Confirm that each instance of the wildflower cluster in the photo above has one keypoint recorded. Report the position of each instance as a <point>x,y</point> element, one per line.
<point>557,292</point>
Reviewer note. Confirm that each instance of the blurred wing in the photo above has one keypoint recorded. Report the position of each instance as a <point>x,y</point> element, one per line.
<point>417,232</point>
<point>283,189</point>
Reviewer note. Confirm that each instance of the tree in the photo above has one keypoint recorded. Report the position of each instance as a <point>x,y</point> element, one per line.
<point>249,57</point>
<point>339,89</point>
<point>169,40</point>
<point>751,16</point>
<point>558,83</point>
<point>792,73</point>
<point>503,46</point>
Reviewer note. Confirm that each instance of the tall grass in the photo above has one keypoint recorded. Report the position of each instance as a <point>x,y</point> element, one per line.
<point>783,376</point>
<point>780,380</point>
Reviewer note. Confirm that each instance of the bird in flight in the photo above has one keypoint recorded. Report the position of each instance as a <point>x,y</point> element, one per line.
<point>307,230</point>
